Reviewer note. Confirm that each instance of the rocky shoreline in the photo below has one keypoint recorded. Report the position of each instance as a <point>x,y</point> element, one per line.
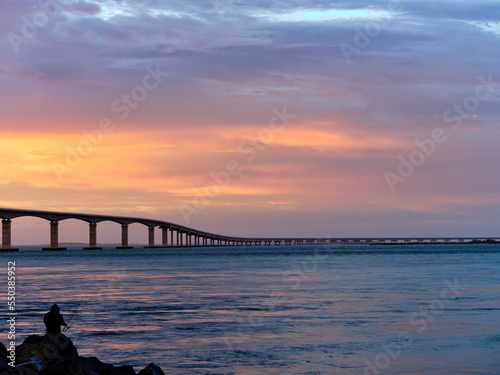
<point>57,355</point>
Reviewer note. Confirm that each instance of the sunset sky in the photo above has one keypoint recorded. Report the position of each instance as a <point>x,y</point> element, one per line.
<point>131,108</point>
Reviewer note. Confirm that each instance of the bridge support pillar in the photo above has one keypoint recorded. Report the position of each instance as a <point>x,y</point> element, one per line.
<point>124,238</point>
<point>92,238</point>
<point>171,237</point>
<point>151,238</point>
<point>164,236</point>
<point>6,238</point>
<point>54,234</point>
<point>54,237</point>
<point>6,225</point>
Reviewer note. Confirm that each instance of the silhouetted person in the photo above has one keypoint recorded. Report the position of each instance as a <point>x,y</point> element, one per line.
<point>54,320</point>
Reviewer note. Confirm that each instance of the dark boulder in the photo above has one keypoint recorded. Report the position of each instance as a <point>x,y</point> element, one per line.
<point>4,361</point>
<point>43,352</point>
<point>77,366</point>
<point>64,345</point>
<point>122,370</point>
<point>4,365</point>
<point>48,349</point>
<point>86,366</point>
<point>30,366</point>
<point>152,369</point>
<point>3,351</point>
<point>56,355</point>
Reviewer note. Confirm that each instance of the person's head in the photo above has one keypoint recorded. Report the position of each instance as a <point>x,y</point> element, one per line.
<point>55,308</point>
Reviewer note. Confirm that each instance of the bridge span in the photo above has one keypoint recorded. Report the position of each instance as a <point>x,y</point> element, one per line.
<point>175,235</point>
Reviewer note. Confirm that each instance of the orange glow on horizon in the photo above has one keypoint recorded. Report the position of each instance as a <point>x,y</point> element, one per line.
<point>174,166</point>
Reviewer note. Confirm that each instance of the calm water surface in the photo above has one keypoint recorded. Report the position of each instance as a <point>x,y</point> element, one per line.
<point>414,309</point>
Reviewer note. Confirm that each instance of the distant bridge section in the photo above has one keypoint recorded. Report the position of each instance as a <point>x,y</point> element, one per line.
<point>175,235</point>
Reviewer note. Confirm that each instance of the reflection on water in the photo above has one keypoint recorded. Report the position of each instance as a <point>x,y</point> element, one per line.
<point>276,310</point>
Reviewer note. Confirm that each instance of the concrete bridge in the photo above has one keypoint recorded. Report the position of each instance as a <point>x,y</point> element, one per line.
<point>175,235</point>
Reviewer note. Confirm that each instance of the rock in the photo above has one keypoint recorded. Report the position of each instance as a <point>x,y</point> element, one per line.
<point>4,361</point>
<point>65,347</point>
<point>122,370</point>
<point>3,351</point>
<point>33,339</point>
<point>41,351</point>
<point>86,366</point>
<point>56,355</point>
<point>77,366</point>
<point>4,365</point>
<point>48,349</point>
<point>152,369</point>
<point>30,366</point>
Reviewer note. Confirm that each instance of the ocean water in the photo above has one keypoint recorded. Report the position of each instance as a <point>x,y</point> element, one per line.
<point>405,309</point>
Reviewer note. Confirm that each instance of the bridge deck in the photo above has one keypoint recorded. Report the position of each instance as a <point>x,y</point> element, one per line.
<point>175,235</point>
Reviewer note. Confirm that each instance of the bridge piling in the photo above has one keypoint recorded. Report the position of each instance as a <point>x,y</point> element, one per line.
<point>6,236</point>
<point>6,230</point>
<point>164,236</point>
<point>54,234</point>
<point>92,238</point>
<point>151,238</point>
<point>54,237</point>
<point>124,238</point>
